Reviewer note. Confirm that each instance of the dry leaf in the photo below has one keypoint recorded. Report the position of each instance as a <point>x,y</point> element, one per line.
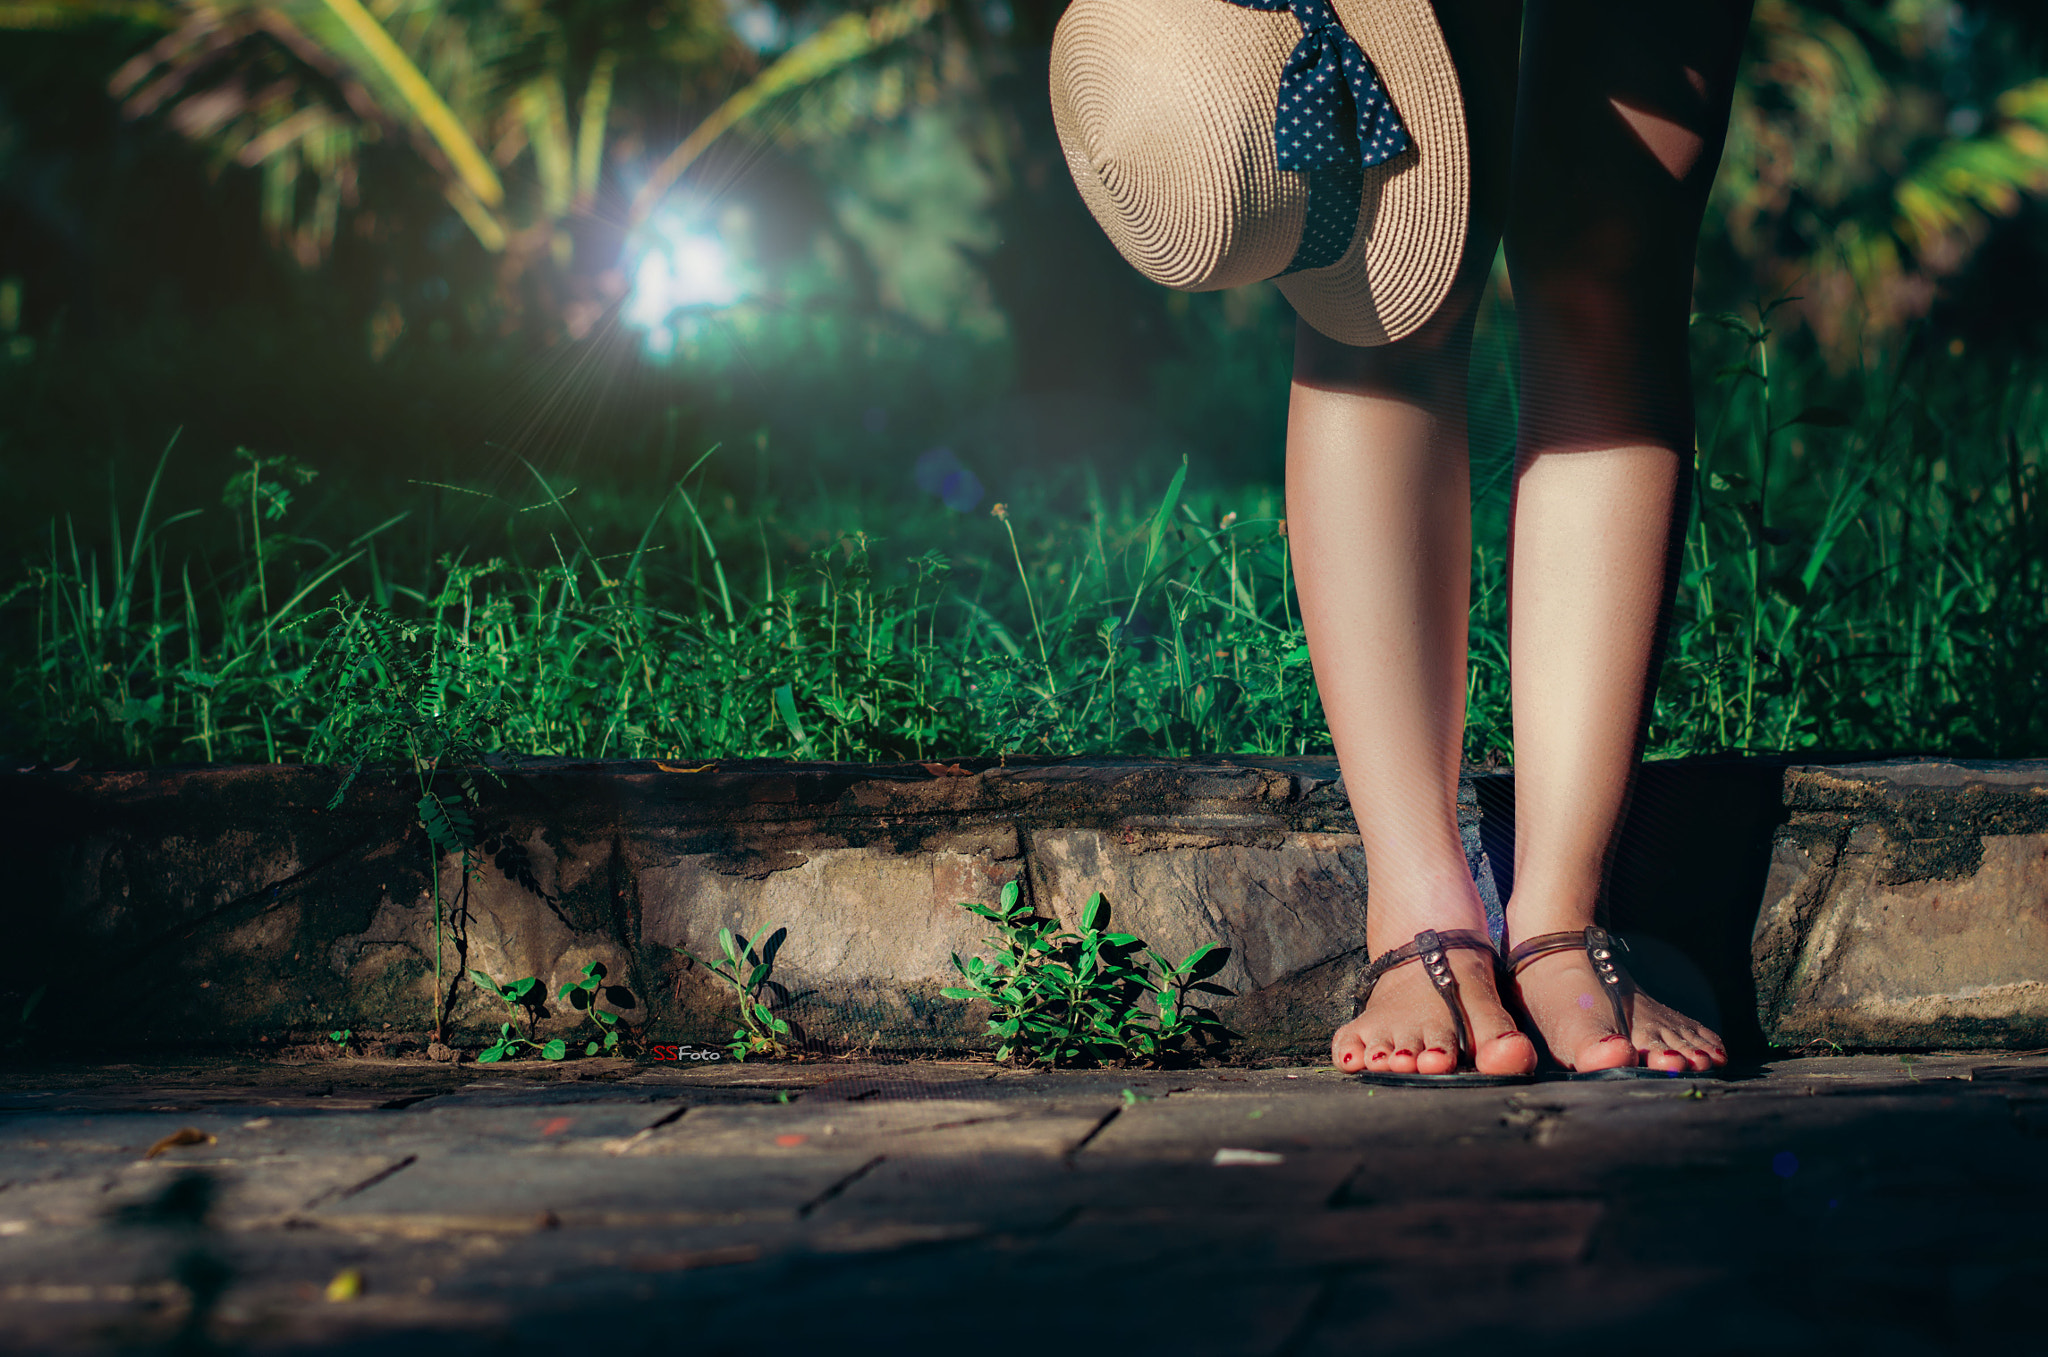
<point>678,768</point>
<point>184,1135</point>
<point>66,767</point>
<point>946,770</point>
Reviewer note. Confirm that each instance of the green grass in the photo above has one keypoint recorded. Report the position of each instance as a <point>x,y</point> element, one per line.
<point>1866,574</point>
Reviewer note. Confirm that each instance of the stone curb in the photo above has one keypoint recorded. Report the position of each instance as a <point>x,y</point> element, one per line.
<point>224,905</point>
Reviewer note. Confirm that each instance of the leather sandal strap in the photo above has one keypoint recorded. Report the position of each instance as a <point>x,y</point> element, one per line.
<point>1599,946</point>
<point>1431,948</point>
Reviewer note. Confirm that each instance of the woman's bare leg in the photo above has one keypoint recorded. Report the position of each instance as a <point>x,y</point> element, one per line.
<point>1622,111</point>
<point>1379,524</point>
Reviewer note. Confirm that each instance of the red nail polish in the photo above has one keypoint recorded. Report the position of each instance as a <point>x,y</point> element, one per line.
<point>1407,1053</point>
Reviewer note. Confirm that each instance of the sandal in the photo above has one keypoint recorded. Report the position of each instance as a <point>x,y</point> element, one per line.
<point>1600,947</point>
<point>1431,948</point>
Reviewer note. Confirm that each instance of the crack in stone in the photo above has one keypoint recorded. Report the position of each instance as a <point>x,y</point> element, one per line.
<point>274,890</point>
<point>343,1194</point>
<point>837,1189</point>
<point>1097,1129</point>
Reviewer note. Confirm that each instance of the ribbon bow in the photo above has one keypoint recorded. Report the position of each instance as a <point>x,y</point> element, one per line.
<point>1333,112</point>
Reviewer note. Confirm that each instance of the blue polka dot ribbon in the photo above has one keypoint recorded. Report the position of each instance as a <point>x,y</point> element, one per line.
<point>1332,121</point>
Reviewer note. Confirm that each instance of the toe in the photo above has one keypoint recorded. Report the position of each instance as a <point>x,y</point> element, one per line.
<point>1439,1053</point>
<point>1402,1061</point>
<point>1347,1052</point>
<point>1508,1053</point>
<point>1661,1057</point>
<point>1607,1053</point>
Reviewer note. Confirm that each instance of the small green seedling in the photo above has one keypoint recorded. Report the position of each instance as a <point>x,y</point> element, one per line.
<point>523,998</point>
<point>583,996</point>
<point>748,964</point>
<point>1064,998</point>
<point>342,1036</point>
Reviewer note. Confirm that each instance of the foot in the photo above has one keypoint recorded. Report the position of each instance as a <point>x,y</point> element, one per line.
<point>1565,1002</point>
<point>1406,1028</point>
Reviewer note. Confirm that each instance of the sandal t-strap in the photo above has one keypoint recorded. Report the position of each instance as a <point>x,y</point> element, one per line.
<point>1432,949</point>
<point>1599,946</point>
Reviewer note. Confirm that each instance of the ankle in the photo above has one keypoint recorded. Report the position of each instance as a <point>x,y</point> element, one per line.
<point>1390,924</point>
<point>1531,913</point>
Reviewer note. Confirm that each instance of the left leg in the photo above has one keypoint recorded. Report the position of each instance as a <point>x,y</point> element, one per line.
<point>1623,108</point>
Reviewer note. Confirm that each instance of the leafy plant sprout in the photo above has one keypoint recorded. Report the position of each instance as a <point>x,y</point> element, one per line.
<point>524,999</point>
<point>1063,998</point>
<point>582,995</point>
<point>746,968</point>
<point>395,694</point>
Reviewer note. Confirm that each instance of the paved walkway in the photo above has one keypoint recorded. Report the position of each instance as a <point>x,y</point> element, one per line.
<point>1863,1204</point>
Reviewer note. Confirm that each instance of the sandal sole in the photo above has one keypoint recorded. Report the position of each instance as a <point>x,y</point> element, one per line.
<point>1474,1080</point>
<point>1621,1073</point>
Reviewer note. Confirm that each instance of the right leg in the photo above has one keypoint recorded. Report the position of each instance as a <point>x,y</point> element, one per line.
<point>1379,525</point>
<point>1623,109</point>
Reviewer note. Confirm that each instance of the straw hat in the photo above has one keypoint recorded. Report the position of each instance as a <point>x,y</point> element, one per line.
<point>1221,142</point>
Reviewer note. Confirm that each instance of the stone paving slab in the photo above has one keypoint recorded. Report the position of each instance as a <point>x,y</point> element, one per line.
<point>1865,1203</point>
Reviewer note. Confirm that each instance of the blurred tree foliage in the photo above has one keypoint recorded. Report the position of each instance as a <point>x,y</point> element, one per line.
<point>453,191</point>
<point>519,114</point>
<point>1875,150</point>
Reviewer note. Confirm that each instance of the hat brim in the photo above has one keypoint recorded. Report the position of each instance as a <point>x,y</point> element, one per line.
<point>1415,209</point>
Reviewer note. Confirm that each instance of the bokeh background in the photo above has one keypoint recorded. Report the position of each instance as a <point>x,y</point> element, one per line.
<point>643,377</point>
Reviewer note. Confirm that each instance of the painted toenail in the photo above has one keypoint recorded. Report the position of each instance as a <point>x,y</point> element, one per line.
<point>1404,1053</point>
<point>1378,1055</point>
<point>1616,1037</point>
<point>1585,1001</point>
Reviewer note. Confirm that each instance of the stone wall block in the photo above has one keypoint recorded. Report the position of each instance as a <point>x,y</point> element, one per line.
<point>1929,927</point>
<point>1888,904</point>
<point>1287,906</point>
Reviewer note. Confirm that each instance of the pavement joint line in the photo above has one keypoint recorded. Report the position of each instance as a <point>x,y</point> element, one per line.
<point>343,1194</point>
<point>1097,1129</point>
<point>835,1190</point>
<point>645,1133</point>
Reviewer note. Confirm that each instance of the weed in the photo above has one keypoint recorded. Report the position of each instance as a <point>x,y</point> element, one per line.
<point>524,999</point>
<point>341,1037</point>
<point>583,995</point>
<point>1063,998</point>
<point>747,966</point>
<point>393,693</point>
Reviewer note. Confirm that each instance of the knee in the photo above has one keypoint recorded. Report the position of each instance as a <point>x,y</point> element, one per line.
<point>1600,282</point>
<point>1428,366</point>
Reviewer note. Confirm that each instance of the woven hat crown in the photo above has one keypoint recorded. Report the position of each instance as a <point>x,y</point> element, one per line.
<point>1166,112</point>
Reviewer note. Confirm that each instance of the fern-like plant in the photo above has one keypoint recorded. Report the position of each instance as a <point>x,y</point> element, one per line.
<point>392,695</point>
